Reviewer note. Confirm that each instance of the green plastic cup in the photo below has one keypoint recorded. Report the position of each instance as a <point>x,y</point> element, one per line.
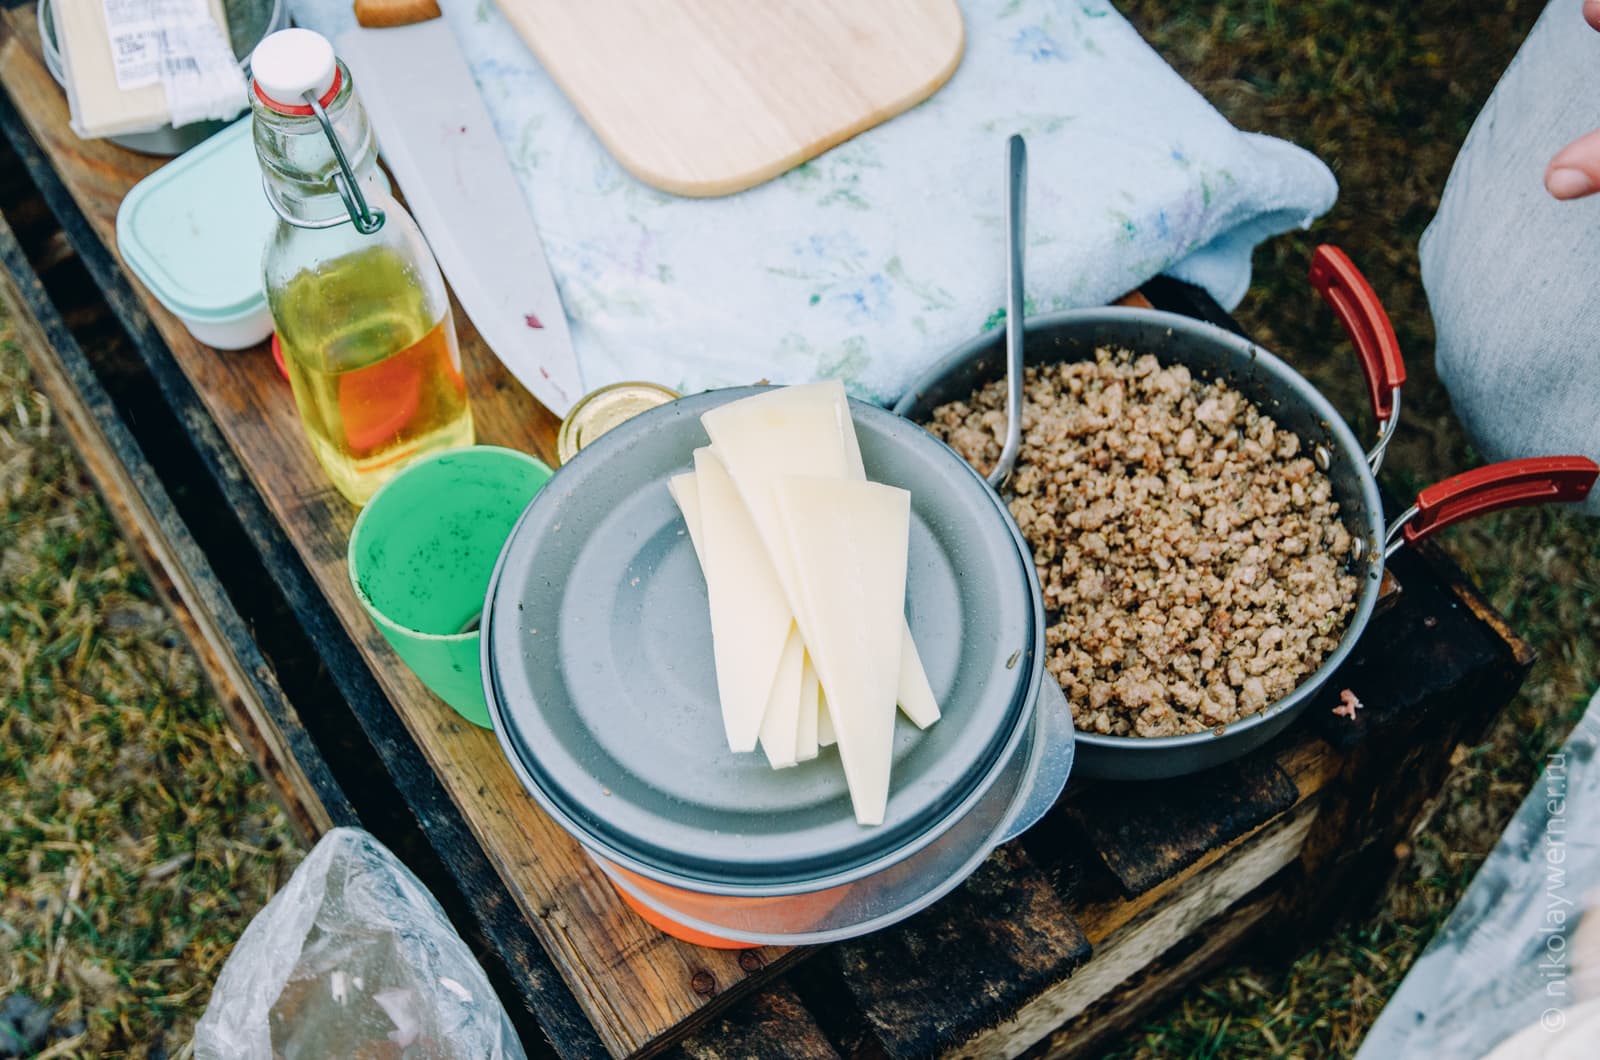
<point>421,555</point>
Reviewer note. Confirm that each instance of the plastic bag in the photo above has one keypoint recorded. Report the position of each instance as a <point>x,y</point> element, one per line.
<point>1514,974</point>
<point>354,958</point>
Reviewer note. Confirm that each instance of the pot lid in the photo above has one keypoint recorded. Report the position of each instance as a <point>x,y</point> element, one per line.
<point>599,673</point>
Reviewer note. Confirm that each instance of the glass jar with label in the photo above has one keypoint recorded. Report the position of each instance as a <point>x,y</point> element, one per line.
<point>356,297</point>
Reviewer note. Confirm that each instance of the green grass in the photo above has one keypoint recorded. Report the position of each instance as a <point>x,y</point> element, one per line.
<point>135,841</point>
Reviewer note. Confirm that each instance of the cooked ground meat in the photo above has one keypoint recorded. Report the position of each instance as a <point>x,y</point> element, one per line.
<point>1193,565</point>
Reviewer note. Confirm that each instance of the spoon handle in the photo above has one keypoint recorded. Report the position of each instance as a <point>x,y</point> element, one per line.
<point>1016,224</point>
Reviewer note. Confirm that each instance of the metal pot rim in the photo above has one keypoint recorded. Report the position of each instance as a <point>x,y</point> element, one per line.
<point>1016,819</point>
<point>1346,447</point>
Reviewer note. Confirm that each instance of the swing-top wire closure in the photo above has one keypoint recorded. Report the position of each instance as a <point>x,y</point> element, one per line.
<point>367,219</point>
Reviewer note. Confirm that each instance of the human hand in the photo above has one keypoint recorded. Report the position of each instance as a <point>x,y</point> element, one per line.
<point>1575,170</point>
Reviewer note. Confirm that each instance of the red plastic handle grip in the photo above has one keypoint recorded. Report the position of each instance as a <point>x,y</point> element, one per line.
<point>1356,304</point>
<point>1510,484</point>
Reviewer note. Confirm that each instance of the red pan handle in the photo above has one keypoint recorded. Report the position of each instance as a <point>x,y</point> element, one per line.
<point>1353,300</point>
<point>1511,484</point>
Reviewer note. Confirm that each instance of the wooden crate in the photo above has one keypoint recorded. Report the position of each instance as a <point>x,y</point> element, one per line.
<point>1122,895</point>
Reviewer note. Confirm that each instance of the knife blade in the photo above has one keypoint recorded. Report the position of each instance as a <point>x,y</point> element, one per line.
<point>440,143</point>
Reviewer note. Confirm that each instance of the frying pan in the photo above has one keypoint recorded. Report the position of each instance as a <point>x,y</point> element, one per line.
<point>1213,353</point>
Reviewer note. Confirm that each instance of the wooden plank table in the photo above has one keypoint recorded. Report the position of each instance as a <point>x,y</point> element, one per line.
<point>1059,940</point>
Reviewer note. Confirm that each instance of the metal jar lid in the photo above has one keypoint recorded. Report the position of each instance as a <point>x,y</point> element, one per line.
<point>600,410</point>
<point>599,673</point>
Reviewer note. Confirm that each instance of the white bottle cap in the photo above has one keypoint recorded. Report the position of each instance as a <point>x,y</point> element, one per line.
<point>290,63</point>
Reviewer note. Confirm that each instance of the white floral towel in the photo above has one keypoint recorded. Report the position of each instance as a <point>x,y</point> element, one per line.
<point>872,260</point>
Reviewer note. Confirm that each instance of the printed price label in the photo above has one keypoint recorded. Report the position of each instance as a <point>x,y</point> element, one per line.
<point>178,44</point>
<point>135,43</point>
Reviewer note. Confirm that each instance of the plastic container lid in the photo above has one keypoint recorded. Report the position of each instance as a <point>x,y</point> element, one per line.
<point>194,230</point>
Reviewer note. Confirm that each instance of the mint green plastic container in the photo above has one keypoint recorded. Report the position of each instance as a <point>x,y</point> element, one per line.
<point>421,555</point>
<point>193,232</point>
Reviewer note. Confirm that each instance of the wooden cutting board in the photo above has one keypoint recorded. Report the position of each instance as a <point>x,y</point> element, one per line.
<point>709,97</point>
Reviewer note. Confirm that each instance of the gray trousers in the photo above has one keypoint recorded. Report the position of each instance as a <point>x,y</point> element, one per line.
<point>1512,275</point>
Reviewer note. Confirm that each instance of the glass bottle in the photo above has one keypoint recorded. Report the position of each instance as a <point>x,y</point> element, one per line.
<point>356,297</point>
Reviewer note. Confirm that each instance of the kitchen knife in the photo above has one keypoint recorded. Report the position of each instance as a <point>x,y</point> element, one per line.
<point>437,137</point>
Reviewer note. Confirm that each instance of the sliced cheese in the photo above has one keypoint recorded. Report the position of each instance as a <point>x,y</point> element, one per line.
<point>781,723</point>
<point>915,693</point>
<point>826,737</point>
<point>848,541</point>
<point>805,747</point>
<point>685,490</point>
<point>750,619</point>
<point>777,433</point>
<point>803,430</point>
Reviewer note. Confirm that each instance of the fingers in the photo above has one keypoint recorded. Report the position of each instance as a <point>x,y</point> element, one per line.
<point>1575,171</point>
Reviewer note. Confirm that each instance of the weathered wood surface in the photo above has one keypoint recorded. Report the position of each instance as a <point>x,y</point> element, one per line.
<point>1145,833</point>
<point>1099,1025</point>
<point>1003,937</point>
<point>773,1025</point>
<point>1123,954</point>
<point>634,984</point>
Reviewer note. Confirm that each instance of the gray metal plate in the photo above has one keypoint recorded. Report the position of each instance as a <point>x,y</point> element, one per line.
<point>598,643</point>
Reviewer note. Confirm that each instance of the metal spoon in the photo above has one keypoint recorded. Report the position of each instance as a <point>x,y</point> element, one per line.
<point>1016,222</point>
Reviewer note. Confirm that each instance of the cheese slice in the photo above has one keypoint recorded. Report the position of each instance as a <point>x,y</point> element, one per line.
<point>805,747</point>
<point>916,694</point>
<point>826,737</point>
<point>848,540</point>
<point>791,431</point>
<point>685,490</point>
<point>803,430</point>
<point>780,704</point>
<point>780,725</point>
<point>750,619</point>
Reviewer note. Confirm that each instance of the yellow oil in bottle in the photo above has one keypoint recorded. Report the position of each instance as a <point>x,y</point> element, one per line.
<point>376,376</point>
